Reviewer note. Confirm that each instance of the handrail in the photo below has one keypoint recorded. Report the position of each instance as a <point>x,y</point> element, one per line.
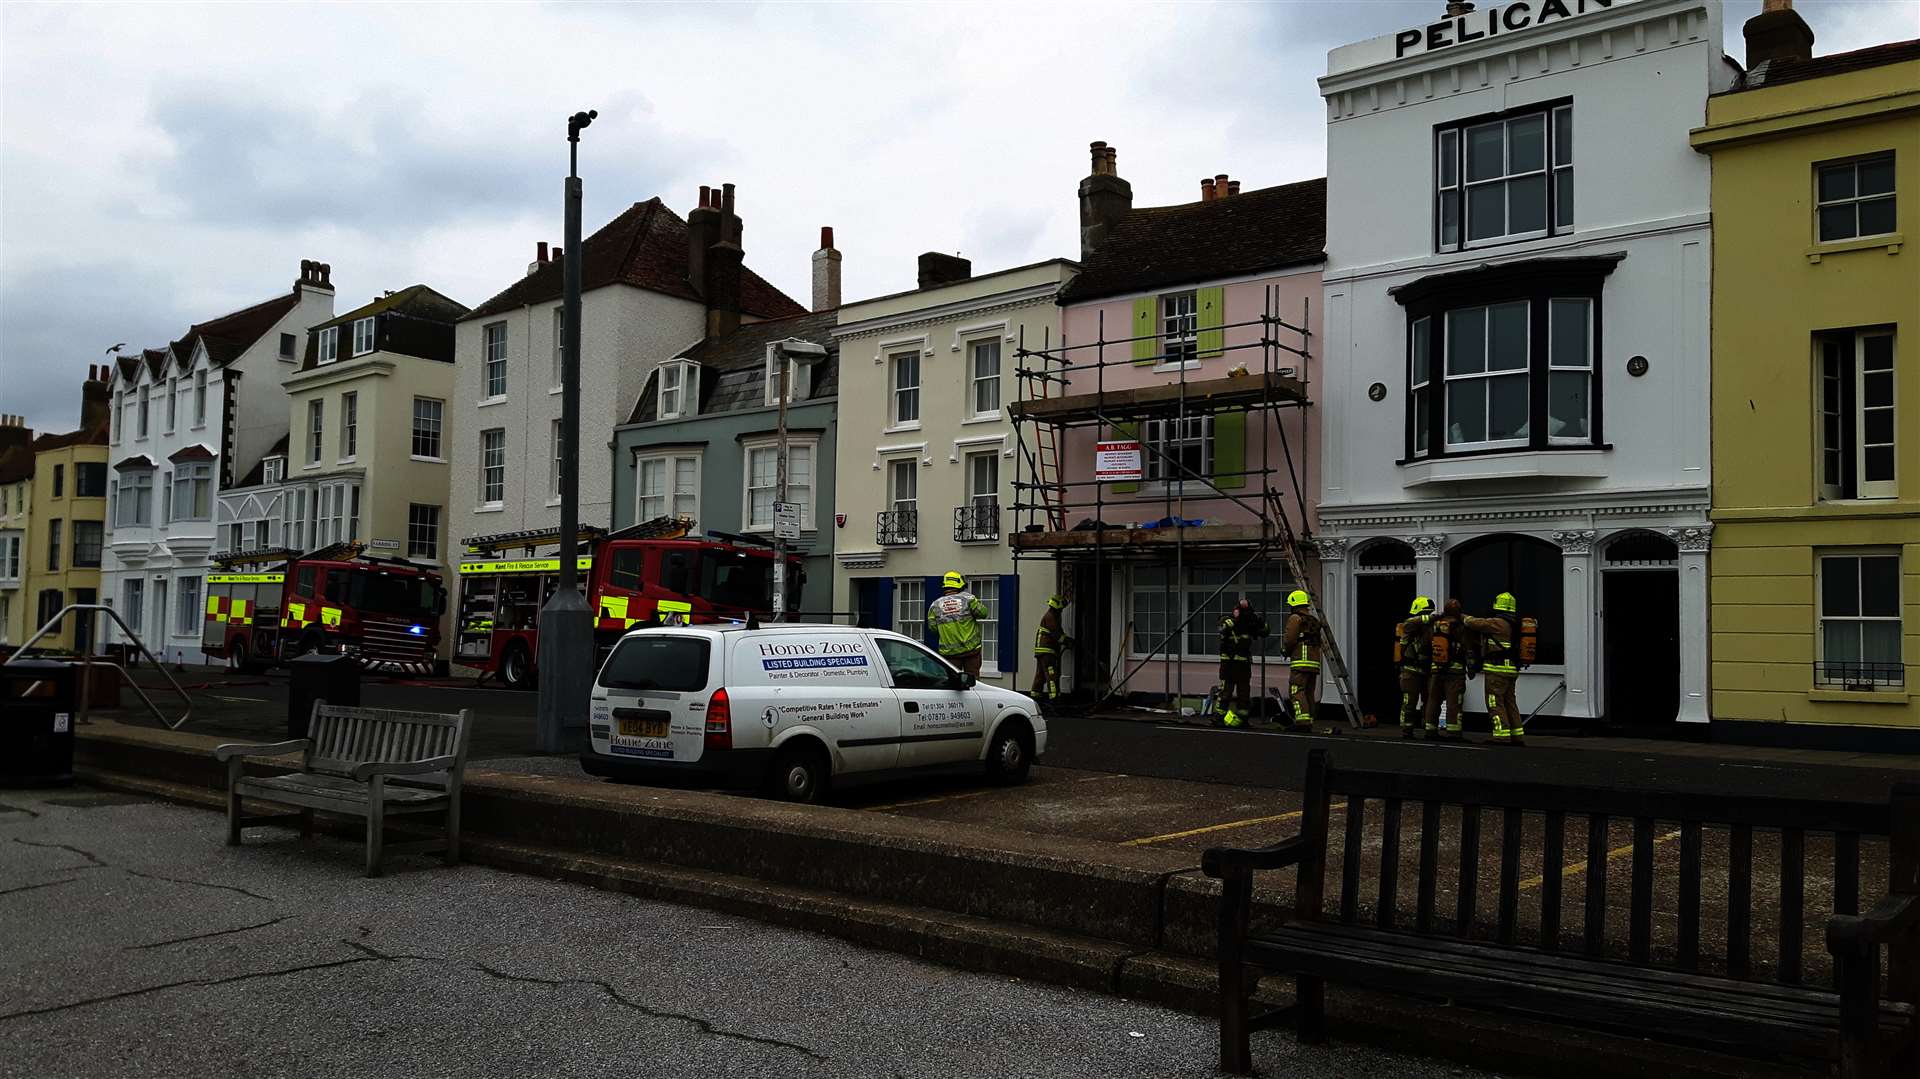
<point>87,664</point>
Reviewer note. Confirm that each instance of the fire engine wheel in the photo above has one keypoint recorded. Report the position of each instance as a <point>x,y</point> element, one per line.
<point>237,658</point>
<point>516,668</point>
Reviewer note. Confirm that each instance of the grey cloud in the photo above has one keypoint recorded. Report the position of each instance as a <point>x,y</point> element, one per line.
<point>54,322</point>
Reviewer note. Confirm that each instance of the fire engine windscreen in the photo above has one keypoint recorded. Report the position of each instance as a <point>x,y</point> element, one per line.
<point>738,581</point>
<point>393,593</point>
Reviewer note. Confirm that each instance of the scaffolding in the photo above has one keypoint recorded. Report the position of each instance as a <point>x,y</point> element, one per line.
<point>1064,387</point>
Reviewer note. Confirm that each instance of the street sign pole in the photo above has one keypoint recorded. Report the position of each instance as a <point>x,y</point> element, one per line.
<point>780,362</point>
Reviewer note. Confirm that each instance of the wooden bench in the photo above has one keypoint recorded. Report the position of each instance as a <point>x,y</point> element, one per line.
<point>1662,989</point>
<point>361,762</point>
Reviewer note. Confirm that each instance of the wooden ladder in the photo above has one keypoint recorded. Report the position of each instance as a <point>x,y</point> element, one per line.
<point>1046,465</point>
<point>1331,661</point>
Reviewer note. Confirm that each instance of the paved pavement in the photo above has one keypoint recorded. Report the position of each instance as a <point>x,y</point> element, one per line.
<point>138,945</point>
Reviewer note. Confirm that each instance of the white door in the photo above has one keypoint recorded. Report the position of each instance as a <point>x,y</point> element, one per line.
<point>940,723</point>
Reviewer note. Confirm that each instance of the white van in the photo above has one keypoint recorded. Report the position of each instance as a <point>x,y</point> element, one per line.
<point>789,707</point>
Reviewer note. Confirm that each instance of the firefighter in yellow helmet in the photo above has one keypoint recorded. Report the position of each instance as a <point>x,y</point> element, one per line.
<point>1499,636</point>
<point>956,616</point>
<point>1447,686</point>
<point>1048,643</point>
<point>1301,641</point>
<point>1416,665</point>
<point>1240,633</point>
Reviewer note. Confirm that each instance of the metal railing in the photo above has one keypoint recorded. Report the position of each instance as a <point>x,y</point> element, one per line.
<point>1860,675</point>
<point>977,521</point>
<point>88,661</point>
<point>897,528</point>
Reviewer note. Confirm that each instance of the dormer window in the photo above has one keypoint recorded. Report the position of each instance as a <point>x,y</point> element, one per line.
<point>330,344</point>
<point>362,336</point>
<point>679,390</point>
<point>275,468</point>
<point>796,376</point>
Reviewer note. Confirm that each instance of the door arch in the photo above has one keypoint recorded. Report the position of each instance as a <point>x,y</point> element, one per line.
<point>1528,567</point>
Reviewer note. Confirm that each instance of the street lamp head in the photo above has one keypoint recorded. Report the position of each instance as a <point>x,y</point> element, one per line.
<point>578,121</point>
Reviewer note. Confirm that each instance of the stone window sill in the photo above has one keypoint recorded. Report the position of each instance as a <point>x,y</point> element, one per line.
<point>1890,242</point>
<point>1856,696</point>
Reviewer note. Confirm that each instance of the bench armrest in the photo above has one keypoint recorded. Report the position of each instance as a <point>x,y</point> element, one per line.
<point>259,749</point>
<point>1892,916</point>
<point>1217,861</point>
<point>363,772</point>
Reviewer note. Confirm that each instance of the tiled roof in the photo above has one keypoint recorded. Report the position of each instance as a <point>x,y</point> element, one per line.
<point>417,300</point>
<point>228,336</point>
<point>733,369</point>
<point>646,246</point>
<point>16,464</point>
<point>1156,246</point>
<point>95,436</point>
<point>1776,72</point>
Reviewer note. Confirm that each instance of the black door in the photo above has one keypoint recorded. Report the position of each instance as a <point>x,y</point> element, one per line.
<point>1094,626</point>
<point>1640,646</point>
<point>1380,603</point>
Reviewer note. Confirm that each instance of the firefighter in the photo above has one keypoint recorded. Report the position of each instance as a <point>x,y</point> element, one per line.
<point>1447,686</point>
<point>1416,665</point>
<point>1302,643</point>
<point>1240,633</point>
<point>956,616</point>
<point>1499,637</point>
<point>1048,642</point>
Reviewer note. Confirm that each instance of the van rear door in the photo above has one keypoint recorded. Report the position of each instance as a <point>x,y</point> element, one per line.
<point>652,693</point>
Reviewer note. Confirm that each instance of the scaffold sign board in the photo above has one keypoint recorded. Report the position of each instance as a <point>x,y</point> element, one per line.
<point>1118,460</point>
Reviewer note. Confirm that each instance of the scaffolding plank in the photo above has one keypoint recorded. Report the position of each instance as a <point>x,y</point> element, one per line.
<point>1203,395</point>
<point>1140,537</point>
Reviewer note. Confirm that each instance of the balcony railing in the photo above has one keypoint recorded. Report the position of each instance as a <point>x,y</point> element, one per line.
<point>977,521</point>
<point>897,528</point>
<point>1860,675</point>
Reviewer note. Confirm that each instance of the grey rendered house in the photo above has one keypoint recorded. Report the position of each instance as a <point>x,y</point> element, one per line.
<point>701,441</point>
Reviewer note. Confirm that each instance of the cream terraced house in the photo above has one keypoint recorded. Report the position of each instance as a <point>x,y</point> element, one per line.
<point>925,459</point>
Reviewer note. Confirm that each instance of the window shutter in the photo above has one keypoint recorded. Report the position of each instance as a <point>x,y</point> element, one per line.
<point>1146,315</point>
<point>1127,430</point>
<point>1009,658</point>
<point>1229,449</point>
<point>1210,316</point>
<point>930,591</point>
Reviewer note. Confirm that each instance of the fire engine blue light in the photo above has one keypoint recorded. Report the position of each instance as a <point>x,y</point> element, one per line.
<point>417,631</point>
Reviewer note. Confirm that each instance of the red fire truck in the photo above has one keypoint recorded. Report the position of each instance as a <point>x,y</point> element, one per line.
<point>627,575</point>
<point>269,605</point>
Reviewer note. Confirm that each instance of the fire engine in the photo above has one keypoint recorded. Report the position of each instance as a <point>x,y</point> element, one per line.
<point>271,604</point>
<point>655,570</point>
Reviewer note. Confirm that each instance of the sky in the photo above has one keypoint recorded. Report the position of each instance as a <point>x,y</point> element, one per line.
<point>163,164</point>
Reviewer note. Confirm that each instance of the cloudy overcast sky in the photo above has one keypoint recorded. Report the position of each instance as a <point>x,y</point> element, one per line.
<point>163,164</point>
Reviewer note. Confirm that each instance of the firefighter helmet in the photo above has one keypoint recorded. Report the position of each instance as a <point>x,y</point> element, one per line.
<point>954,580</point>
<point>1505,602</point>
<point>1056,602</point>
<point>1298,598</point>
<point>1421,605</point>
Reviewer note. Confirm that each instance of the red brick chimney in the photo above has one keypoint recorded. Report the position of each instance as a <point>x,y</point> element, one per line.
<point>95,406</point>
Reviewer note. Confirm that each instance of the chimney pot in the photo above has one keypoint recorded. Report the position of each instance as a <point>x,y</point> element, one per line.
<point>726,199</point>
<point>1457,8</point>
<point>1233,187</point>
<point>826,237</point>
<point>1105,198</point>
<point>1206,189</point>
<point>540,251</point>
<point>706,194</point>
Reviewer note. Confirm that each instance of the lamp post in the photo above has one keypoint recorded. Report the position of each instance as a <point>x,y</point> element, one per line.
<point>566,626</point>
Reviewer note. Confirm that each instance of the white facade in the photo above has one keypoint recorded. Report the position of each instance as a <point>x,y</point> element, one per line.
<point>196,413</point>
<point>621,329</point>
<point>1507,456</point>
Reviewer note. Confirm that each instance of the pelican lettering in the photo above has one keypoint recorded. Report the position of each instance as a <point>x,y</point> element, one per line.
<point>1475,25</point>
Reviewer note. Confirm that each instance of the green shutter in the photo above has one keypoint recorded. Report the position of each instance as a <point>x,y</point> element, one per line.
<point>1229,449</point>
<point>1146,332</point>
<point>1210,316</point>
<point>1126,487</point>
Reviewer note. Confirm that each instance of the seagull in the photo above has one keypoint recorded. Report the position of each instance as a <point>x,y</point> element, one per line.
<point>116,348</point>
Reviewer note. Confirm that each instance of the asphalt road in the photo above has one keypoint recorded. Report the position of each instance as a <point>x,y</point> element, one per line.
<point>138,944</point>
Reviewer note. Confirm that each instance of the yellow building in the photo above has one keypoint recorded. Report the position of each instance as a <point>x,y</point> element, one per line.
<point>1816,384</point>
<point>66,522</point>
<point>16,500</point>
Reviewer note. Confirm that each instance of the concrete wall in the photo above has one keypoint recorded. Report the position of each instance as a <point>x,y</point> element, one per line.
<point>717,439</point>
<point>1774,288</point>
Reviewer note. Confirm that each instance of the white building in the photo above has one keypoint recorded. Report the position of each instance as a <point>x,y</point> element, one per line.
<point>652,284</point>
<point>189,421</point>
<point>1515,356</point>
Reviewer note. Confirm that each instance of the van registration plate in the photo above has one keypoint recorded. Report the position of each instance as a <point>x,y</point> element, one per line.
<point>643,726</point>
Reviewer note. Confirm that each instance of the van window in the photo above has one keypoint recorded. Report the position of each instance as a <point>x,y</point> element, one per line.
<point>626,568</point>
<point>913,667</point>
<point>657,661</point>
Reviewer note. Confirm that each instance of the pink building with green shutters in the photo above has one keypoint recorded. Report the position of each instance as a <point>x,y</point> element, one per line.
<point>1184,333</point>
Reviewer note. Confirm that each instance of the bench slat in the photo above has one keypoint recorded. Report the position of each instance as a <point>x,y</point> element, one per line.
<point>1596,927</point>
<point>1389,901</point>
<point>1425,888</point>
<point>1740,901</point>
<point>1640,901</point>
<point>1552,875</point>
<point>1510,844</point>
<point>1793,869</point>
<point>1350,859</point>
<point>1846,873</point>
<point>1689,944</point>
<point>1469,893</point>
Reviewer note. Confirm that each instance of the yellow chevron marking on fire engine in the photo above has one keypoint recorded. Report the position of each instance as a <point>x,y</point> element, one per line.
<point>329,616</point>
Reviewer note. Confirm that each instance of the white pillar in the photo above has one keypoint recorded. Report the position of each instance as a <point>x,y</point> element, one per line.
<point>1426,565</point>
<point>1693,542</point>
<point>1336,602</point>
<point>1577,596</point>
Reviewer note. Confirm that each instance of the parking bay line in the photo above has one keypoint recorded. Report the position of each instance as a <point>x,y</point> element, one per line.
<point>1581,866</point>
<point>1295,815</point>
<point>973,794</point>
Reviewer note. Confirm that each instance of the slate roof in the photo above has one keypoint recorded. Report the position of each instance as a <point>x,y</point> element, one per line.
<point>94,436</point>
<point>16,464</point>
<point>646,246</point>
<point>416,300</point>
<point>733,369</point>
<point>228,336</point>
<point>1777,72</point>
<point>1155,246</point>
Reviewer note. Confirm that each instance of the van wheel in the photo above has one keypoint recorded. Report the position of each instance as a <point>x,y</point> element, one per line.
<point>1010,757</point>
<point>516,669</point>
<point>800,774</point>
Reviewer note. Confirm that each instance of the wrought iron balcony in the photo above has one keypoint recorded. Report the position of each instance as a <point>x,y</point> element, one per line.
<point>897,528</point>
<point>1859,675</point>
<point>977,521</point>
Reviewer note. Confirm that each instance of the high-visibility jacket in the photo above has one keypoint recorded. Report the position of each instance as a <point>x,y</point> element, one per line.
<point>1496,643</point>
<point>956,618</point>
<point>1302,642</point>
<point>1416,651</point>
<point>1238,633</point>
<point>1048,639</point>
